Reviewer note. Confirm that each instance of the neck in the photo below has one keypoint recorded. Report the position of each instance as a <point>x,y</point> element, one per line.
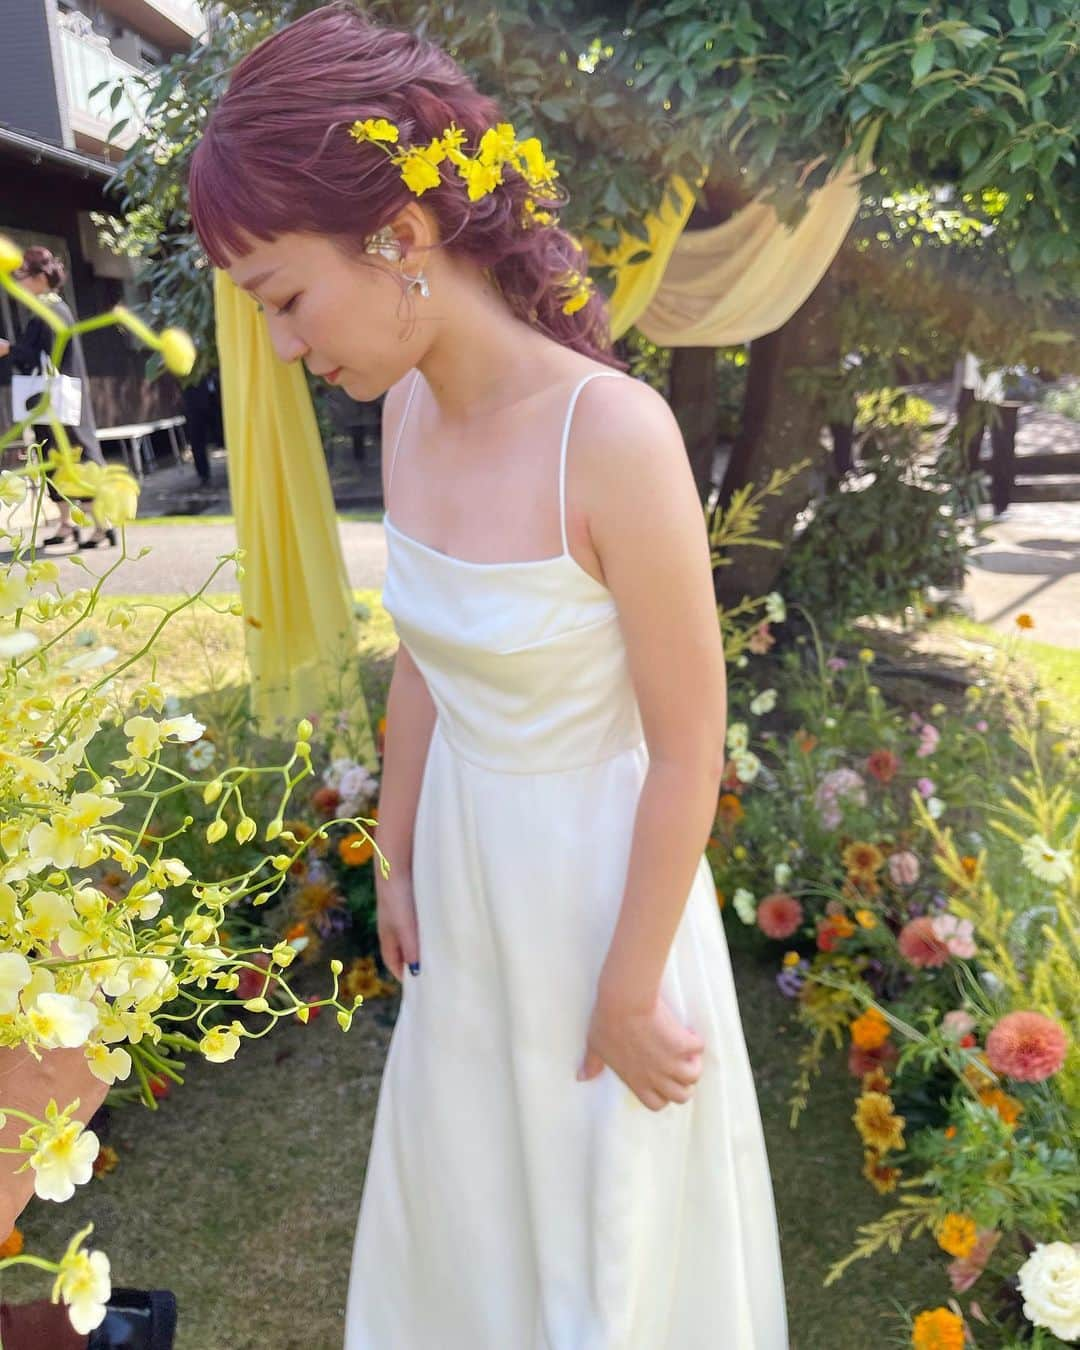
<point>482,357</point>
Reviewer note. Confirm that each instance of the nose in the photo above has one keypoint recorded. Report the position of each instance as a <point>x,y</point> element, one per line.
<point>287,346</point>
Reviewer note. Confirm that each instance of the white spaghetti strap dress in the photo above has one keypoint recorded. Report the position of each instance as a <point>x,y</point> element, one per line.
<point>506,1205</point>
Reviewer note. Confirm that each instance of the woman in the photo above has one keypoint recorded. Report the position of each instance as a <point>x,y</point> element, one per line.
<point>567,1149</point>
<point>43,274</point>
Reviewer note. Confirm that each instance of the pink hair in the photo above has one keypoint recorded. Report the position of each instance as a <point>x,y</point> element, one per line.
<point>276,157</point>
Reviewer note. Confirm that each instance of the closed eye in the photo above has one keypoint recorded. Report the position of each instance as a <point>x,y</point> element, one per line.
<point>285,309</point>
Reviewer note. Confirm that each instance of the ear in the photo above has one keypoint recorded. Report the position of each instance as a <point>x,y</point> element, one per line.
<point>416,231</point>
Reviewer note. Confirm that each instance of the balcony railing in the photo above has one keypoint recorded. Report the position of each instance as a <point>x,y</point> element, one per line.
<point>88,62</point>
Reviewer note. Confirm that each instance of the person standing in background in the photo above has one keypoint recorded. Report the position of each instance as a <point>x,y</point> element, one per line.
<point>42,273</point>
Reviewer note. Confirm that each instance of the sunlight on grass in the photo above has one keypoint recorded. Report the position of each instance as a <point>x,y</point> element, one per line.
<point>1055,669</point>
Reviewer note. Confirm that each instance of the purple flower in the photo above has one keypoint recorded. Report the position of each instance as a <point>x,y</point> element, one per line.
<point>915,721</point>
<point>789,981</point>
<point>926,786</point>
<point>836,663</point>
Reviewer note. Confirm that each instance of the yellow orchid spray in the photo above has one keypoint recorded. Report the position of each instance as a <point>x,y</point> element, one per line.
<point>114,972</point>
<point>499,147</point>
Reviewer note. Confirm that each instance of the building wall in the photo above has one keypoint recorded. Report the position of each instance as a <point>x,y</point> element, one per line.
<point>30,92</point>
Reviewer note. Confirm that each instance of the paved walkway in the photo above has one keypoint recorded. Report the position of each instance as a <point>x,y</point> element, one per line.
<point>1030,564</point>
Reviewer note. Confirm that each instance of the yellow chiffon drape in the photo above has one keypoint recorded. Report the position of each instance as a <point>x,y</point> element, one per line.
<point>735,281</point>
<point>300,626</point>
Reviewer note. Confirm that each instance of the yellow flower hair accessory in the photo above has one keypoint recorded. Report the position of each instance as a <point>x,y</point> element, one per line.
<point>481,172</point>
<point>581,290</point>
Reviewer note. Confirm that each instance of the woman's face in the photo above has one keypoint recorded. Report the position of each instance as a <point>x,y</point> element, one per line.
<point>346,318</point>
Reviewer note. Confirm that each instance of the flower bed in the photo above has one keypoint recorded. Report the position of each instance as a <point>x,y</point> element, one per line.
<point>915,871</point>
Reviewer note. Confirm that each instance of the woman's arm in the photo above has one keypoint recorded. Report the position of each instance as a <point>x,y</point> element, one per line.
<point>647,527</point>
<point>35,338</point>
<point>410,719</point>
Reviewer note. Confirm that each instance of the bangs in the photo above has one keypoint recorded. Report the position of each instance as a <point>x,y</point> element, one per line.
<point>230,206</point>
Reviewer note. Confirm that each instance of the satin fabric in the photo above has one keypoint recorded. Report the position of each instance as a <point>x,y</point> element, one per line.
<point>505,1203</point>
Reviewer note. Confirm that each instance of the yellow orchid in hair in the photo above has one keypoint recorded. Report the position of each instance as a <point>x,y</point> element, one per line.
<point>497,144</point>
<point>373,129</point>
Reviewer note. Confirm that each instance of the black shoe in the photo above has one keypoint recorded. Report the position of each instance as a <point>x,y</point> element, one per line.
<point>136,1319</point>
<point>110,538</point>
<point>65,537</point>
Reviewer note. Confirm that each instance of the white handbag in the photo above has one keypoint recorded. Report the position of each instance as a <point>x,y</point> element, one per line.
<point>64,391</point>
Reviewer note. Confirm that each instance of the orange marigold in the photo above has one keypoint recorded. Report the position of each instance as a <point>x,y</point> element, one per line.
<point>877,1080</point>
<point>882,1177</point>
<point>729,810</point>
<point>878,1127</point>
<point>1007,1107</point>
<point>1025,621</point>
<point>355,849</point>
<point>870,1030</point>
<point>938,1329</point>
<point>862,859</point>
<point>956,1235</point>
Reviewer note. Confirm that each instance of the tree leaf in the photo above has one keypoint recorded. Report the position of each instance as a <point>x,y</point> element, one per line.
<point>922,60</point>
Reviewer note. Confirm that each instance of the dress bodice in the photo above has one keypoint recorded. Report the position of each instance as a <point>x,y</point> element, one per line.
<point>525,661</point>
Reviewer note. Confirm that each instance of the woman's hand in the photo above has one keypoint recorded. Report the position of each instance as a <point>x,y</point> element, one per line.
<point>657,1058</point>
<point>399,939</point>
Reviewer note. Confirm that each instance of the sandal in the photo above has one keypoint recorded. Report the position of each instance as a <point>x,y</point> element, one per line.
<point>62,537</point>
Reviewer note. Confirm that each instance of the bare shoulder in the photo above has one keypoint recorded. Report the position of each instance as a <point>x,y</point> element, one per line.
<point>628,450</point>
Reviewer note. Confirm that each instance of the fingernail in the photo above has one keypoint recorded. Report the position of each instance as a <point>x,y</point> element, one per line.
<point>414,967</point>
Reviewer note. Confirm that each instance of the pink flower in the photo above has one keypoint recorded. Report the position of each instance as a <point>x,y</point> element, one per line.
<point>903,868</point>
<point>920,944</point>
<point>838,785</point>
<point>836,663</point>
<point>957,934</point>
<point>779,915</point>
<point>926,787</point>
<point>760,640</point>
<point>914,721</point>
<point>965,1270</point>
<point>1027,1046</point>
<point>982,725</point>
<point>957,1024</point>
<point>928,740</point>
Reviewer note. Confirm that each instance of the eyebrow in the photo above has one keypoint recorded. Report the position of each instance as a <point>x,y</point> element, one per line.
<point>257,280</point>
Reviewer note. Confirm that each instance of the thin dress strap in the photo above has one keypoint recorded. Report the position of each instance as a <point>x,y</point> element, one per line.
<point>595,374</point>
<point>397,438</point>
